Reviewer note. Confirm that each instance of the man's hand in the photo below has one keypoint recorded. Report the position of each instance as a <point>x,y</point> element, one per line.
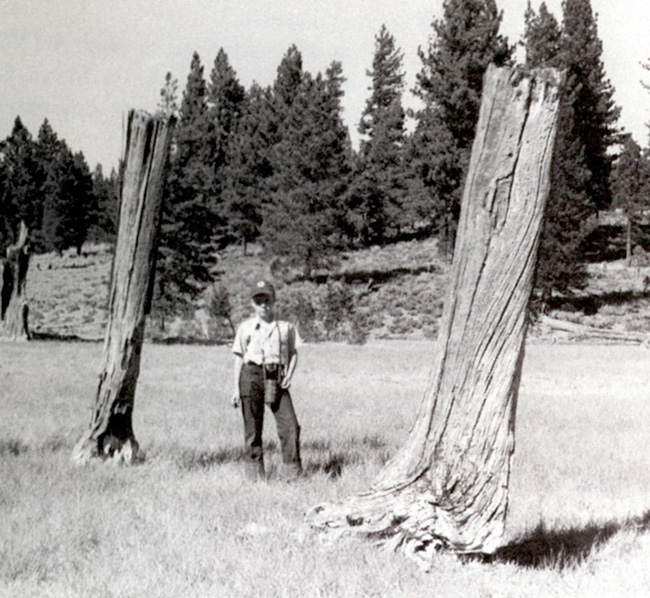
<point>235,400</point>
<point>286,382</point>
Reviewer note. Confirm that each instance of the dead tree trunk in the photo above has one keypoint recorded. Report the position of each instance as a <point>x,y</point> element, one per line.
<point>13,321</point>
<point>111,432</point>
<point>447,488</point>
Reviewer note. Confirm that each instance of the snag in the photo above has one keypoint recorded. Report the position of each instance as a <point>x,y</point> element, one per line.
<point>111,432</point>
<point>14,312</point>
<point>447,488</point>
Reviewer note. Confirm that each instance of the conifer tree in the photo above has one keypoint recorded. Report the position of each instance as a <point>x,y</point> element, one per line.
<point>463,43</point>
<point>47,151</point>
<point>631,188</point>
<point>83,201</point>
<point>301,224</point>
<point>69,200</point>
<point>288,80</point>
<point>168,103</point>
<point>104,219</point>
<point>592,96</point>
<point>575,195</point>
<point>378,189</point>
<point>568,210</point>
<point>189,224</point>
<point>249,171</point>
<point>310,159</point>
<point>225,101</point>
<point>22,198</point>
<point>5,228</point>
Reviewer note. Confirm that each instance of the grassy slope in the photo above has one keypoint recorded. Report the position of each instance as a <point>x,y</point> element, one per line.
<point>400,288</point>
<point>187,524</point>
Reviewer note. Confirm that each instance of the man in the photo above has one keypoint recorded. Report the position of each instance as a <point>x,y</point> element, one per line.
<point>265,360</point>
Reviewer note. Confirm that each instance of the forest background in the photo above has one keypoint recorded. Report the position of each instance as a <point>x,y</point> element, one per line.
<point>269,174</point>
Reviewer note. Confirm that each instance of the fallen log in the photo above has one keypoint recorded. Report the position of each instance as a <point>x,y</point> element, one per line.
<point>581,331</point>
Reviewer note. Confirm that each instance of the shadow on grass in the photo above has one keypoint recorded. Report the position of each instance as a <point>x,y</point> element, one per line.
<point>374,276</point>
<point>14,447</point>
<point>591,304</point>
<point>194,459</point>
<point>168,340</point>
<point>544,548</point>
<point>319,455</point>
<point>331,458</point>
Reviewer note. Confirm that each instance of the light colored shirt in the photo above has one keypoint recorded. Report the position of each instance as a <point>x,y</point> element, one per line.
<point>260,342</point>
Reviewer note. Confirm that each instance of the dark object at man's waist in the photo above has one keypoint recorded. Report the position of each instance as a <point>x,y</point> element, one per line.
<point>270,370</point>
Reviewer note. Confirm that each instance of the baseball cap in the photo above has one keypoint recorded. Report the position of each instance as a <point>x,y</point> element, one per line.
<point>264,288</point>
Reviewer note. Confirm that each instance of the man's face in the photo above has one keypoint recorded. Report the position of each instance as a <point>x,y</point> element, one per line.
<point>263,306</point>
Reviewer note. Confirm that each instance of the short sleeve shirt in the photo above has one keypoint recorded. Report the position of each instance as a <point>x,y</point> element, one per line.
<point>262,342</point>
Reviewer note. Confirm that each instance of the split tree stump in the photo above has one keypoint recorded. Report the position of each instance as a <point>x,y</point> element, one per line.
<point>447,488</point>
<point>111,432</point>
<point>14,311</point>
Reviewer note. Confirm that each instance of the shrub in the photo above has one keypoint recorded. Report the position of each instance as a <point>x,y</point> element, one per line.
<point>297,306</point>
<point>335,308</point>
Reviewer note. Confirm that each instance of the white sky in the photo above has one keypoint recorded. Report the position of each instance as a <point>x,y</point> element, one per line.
<point>84,63</point>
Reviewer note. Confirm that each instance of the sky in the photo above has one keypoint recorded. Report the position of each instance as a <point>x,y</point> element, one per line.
<point>83,64</point>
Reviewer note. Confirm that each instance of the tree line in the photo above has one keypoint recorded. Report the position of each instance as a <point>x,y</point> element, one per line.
<point>275,165</point>
<point>51,189</point>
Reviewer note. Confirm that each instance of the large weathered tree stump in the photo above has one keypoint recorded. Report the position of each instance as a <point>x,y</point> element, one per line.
<point>111,431</point>
<point>447,488</point>
<point>14,309</point>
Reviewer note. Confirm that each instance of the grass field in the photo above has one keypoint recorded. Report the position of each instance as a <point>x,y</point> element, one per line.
<point>186,523</point>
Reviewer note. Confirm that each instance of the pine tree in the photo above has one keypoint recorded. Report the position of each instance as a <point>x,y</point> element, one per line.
<point>592,95</point>
<point>5,204</point>
<point>464,42</point>
<point>189,224</point>
<point>378,190</point>
<point>69,201</point>
<point>104,219</point>
<point>543,38</point>
<point>311,160</point>
<point>168,103</point>
<point>288,80</point>
<point>22,198</point>
<point>630,184</point>
<point>83,201</point>
<point>225,101</point>
<point>249,171</point>
<point>568,210</point>
<point>575,195</point>
<point>47,151</point>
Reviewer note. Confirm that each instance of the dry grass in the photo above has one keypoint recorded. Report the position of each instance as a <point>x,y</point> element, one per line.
<point>68,294</point>
<point>186,522</point>
<point>401,289</point>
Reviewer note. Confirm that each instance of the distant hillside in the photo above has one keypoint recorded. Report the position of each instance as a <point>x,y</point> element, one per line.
<point>397,292</point>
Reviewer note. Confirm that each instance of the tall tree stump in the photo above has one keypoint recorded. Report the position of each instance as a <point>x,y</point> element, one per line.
<point>447,488</point>
<point>111,432</point>
<point>14,311</point>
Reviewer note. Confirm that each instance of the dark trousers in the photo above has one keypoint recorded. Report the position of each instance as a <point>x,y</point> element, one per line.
<point>251,387</point>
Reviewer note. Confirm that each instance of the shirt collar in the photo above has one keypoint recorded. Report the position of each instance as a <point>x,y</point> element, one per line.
<point>262,323</point>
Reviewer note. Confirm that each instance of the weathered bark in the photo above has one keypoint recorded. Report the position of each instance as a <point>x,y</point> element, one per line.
<point>447,488</point>
<point>14,313</point>
<point>111,432</point>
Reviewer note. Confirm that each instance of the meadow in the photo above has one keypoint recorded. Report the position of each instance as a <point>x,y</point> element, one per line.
<point>187,523</point>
